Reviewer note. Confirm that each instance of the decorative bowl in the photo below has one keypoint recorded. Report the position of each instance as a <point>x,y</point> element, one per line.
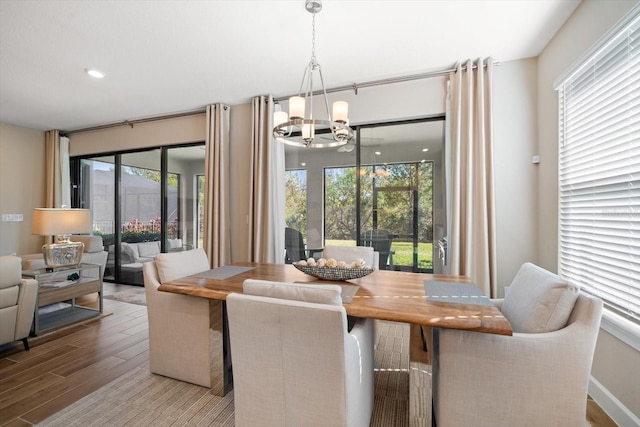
<point>334,273</point>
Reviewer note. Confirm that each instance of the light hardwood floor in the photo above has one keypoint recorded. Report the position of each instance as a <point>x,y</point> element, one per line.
<point>68,364</point>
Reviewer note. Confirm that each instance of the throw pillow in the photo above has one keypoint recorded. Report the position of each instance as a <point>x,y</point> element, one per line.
<point>319,294</point>
<point>174,244</point>
<point>538,300</point>
<point>127,253</point>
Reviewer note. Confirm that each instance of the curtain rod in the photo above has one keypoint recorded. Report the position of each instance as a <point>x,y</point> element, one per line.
<point>130,123</point>
<point>356,86</point>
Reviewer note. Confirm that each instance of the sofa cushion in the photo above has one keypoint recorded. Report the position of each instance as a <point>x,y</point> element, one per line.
<point>91,243</point>
<point>148,249</point>
<point>319,294</point>
<point>33,262</point>
<point>174,244</point>
<point>174,265</point>
<point>9,296</point>
<point>538,300</point>
<point>10,271</point>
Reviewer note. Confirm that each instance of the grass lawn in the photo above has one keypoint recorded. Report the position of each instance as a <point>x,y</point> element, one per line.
<point>403,252</point>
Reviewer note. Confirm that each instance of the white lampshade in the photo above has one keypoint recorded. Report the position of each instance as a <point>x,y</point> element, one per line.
<point>296,107</point>
<point>280,117</point>
<point>57,221</point>
<point>340,111</point>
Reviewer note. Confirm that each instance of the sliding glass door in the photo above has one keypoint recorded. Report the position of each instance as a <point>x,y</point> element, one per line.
<point>384,190</point>
<point>143,203</point>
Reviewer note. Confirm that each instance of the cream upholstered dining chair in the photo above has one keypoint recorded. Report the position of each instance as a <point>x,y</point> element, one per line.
<point>178,324</point>
<point>352,253</point>
<point>17,301</point>
<point>294,362</point>
<point>539,376</point>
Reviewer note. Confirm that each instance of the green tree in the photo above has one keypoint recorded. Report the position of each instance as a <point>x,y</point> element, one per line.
<point>340,203</point>
<point>394,207</point>
<point>296,200</point>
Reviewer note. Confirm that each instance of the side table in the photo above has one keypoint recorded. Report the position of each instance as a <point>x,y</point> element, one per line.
<point>65,285</point>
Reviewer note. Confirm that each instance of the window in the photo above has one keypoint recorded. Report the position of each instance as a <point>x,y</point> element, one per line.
<point>378,190</point>
<point>599,172</point>
<point>296,200</point>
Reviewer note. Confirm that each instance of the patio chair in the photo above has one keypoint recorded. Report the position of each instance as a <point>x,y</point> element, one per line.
<point>295,249</point>
<point>380,241</point>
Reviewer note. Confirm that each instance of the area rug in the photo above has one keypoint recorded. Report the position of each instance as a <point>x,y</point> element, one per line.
<point>140,398</point>
<point>132,296</point>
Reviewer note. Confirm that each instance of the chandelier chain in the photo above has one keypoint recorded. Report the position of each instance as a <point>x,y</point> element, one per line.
<point>313,38</point>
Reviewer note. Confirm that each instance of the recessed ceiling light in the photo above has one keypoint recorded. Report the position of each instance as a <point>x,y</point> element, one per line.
<point>303,164</point>
<point>378,153</point>
<point>94,73</point>
<point>424,150</point>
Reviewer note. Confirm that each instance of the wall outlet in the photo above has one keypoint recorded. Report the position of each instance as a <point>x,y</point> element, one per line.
<point>12,218</point>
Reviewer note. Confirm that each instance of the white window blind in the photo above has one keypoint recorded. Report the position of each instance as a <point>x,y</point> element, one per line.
<point>600,173</point>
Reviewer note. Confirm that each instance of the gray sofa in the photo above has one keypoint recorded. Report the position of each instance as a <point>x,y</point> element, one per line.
<point>133,255</point>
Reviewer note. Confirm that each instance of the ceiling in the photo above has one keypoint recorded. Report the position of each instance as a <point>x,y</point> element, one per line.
<point>171,56</point>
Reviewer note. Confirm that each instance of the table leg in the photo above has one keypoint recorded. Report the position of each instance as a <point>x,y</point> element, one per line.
<point>219,350</point>
<point>420,407</point>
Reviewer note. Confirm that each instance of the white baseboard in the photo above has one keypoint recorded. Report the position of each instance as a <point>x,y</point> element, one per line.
<point>612,406</point>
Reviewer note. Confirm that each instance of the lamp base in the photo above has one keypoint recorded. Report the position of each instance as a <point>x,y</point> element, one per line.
<point>64,254</point>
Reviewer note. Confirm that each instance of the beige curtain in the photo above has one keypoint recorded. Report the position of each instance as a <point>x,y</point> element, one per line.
<point>57,175</point>
<point>266,209</point>
<point>217,241</point>
<point>471,240</point>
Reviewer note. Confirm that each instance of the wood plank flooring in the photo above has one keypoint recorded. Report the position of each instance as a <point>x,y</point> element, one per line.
<point>68,364</point>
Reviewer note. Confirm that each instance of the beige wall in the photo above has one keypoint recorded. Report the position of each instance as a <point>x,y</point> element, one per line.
<point>22,186</point>
<point>615,363</point>
<point>149,134</point>
<point>515,142</point>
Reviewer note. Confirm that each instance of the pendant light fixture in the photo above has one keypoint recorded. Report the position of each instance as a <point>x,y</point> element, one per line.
<point>299,127</point>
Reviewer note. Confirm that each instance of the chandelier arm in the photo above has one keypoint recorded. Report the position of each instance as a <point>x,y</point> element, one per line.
<point>305,77</point>
<point>309,94</point>
<point>324,92</point>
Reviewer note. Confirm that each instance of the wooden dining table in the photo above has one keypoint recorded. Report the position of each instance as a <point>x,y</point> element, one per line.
<point>395,296</point>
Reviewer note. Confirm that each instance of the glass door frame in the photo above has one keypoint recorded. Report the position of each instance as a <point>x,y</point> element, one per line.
<point>358,166</point>
<point>414,217</point>
<point>75,172</point>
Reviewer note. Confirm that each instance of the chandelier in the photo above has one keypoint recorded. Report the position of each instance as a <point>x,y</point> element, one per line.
<point>302,130</point>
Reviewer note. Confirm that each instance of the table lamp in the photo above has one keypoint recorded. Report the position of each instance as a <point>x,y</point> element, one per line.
<point>61,222</point>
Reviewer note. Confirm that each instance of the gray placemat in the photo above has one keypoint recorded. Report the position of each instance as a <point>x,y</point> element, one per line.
<point>223,272</point>
<point>459,293</point>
